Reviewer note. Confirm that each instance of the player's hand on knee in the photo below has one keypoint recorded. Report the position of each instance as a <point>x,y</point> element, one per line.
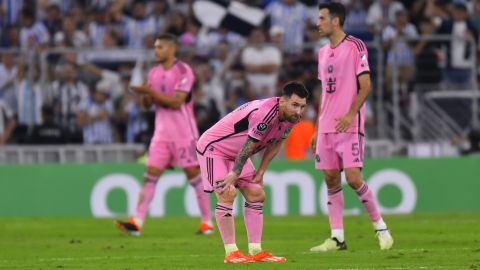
<point>258,178</point>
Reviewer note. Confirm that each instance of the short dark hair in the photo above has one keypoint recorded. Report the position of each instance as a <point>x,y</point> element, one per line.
<point>335,9</point>
<point>168,37</point>
<point>296,88</point>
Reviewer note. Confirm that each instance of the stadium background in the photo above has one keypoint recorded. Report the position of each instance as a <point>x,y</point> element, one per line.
<point>422,129</point>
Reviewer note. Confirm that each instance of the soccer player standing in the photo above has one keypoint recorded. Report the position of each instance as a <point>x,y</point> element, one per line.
<point>173,143</point>
<point>224,153</point>
<point>339,140</point>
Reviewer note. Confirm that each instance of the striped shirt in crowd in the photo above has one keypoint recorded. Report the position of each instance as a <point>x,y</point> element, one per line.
<point>70,98</point>
<point>12,10</point>
<point>99,131</point>
<point>135,31</point>
<point>96,32</point>
<point>135,121</point>
<point>38,32</point>
<point>30,101</point>
<point>291,18</point>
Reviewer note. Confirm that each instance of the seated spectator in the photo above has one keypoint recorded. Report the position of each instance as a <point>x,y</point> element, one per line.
<point>48,132</point>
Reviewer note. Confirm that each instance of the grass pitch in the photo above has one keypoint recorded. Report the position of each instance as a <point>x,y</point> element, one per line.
<point>422,241</point>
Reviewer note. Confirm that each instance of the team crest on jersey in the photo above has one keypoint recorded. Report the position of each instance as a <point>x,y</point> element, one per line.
<point>330,68</point>
<point>262,126</point>
<point>183,80</point>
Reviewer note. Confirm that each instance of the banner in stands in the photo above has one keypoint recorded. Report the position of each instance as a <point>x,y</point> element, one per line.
<point>293,188</point>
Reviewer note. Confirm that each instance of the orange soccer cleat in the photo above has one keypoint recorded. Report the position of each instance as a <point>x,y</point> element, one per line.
<point>237,257</point>
<point>264,256</point>
<point>129,227</point>
<point>205,229</point>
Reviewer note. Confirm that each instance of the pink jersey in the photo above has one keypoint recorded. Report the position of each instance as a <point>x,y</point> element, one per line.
<point>338,69</point>
<point>257,119</point>
<point>170,124</point>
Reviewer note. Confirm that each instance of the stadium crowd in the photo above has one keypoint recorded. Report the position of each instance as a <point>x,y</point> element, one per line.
<point>81,94</point>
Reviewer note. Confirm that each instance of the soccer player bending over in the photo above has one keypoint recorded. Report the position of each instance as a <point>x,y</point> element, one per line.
<point>173,143</point>
<point>224,153</point>
<point>339,140</point>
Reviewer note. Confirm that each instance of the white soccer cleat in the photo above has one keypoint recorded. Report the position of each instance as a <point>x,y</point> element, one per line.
<point>385,239</point>
<point>329,245</point>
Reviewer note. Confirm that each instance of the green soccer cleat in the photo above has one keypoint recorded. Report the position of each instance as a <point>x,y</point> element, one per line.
<point>330,244</point>
<point>385,239</point>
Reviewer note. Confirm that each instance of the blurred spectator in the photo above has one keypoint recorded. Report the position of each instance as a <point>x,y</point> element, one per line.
<point>131,113</point>
<point>10,11</point>
<point>94,116</point>
<point>460,50</point>
<point>189,38</point>
<point>177,24</point>
<point>428,72</point>
<point>97,28</point>
<point>160,9</point>
<point>32,34</point>
<point>292,16</point>
<point>223,34</point>
<point>53,22</point>
<point>69,36</point>
<point>7,122</point>
<point>211,90</point>
<point>11,38</point>
<point>399,52</point>
<point>8,75</point>
<point>29,94</point>
<point>262,63</point>
<point>468,142</point>
<point>475,17</point>
<point>356,21</point>
<point>381,13</point>
<point>137,30</point>
<point>314,38</point>
<point>69,97</point>
<point>276,33</point>
<point>48,132</point>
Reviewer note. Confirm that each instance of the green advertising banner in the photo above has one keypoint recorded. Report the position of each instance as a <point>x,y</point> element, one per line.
<point>107,190</point>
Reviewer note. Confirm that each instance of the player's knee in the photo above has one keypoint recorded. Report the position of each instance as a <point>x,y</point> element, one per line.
<point>228,196</point>
<point>255,195</point>
<point>354,179</point>
<point>152,174</point>
<point>332,179</point>
<point>192,172</point>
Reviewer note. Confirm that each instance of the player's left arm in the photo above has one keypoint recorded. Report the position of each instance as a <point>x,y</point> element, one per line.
<point>344,122</point>
<point>172,102</point>
<point>362,72</point>
<point>270,152</point>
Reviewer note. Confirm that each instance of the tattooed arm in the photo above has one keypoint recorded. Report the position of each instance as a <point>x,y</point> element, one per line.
<point>242,157</point>
<point>270,152</point>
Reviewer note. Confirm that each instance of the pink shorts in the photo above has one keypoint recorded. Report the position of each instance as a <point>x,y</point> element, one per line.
<point>164,154</point>
<point>216,168</point>
<point>339,150</point>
